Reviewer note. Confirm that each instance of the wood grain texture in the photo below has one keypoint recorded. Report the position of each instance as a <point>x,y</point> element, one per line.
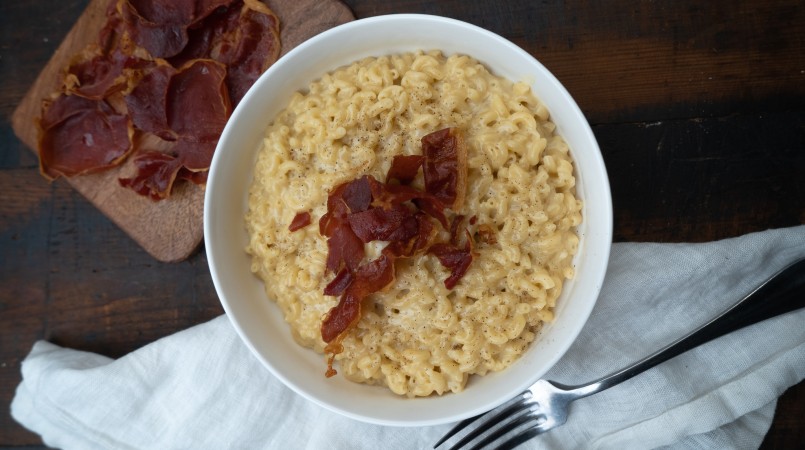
<point>691,160</point>
<point>648,61</point>
<point>170,230</point>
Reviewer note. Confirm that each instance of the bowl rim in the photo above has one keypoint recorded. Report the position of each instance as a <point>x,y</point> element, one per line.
<point>604,227</point>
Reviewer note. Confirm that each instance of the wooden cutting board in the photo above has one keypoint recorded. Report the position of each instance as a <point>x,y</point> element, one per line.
<point>171,229</point>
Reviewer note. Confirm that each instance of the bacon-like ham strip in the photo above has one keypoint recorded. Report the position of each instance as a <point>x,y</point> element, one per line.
<point>454,228</point>
<point>197,104</point>
<point>206,7</point>
<point>79,135</point>
<point>300,220</point>
<point>156,173</point>
<point>456,259</point>
<point>161,26</point>
<point>94,74</point>
<point>433,207</point>
<point>365,210</point>
<point>179,67</point>
<point>340,283</point>
<point>418,243</point>
<point>146,103</point>
<point>197,107</point>
<point>369,278</point>
<point>242,35</point>
<point>256,47</point>
<point>387,195</point>
<point>344,249</point>
<point>378,224</point>
<point>445,166</point>
<point>405,168</point>
<point>357,195</point>
<point>160,29</point>
<point>341,317</point>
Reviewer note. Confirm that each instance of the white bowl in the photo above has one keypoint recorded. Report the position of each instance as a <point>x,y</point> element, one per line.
<point>259,321</point>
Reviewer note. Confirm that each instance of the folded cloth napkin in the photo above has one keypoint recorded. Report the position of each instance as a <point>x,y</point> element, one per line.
<point>201,388</point>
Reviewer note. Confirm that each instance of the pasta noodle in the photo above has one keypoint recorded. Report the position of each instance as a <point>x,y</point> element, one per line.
<point>417,337</point>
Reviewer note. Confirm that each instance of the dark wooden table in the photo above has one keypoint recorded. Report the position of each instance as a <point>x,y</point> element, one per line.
<point>699,108</point>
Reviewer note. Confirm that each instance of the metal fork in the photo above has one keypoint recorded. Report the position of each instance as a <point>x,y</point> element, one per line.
<point>545,404</point>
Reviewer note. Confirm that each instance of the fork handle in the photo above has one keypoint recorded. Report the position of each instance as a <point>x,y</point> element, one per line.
<point>782,293</point>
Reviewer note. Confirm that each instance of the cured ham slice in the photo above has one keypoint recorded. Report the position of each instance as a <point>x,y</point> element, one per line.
<point>196,109</point>
<point>250,48</point>
<point>243,35</point>
<point>357,195</point>
<point>158,26</point>
<point>418,243</point>
<point>405,168</point>
<point>173,69</point>
<point>300,220</point>
<point>197,103</point>
<point>147,101</point>
<point>368,279</point>
<point>156,173</point>
<point>79,135</point>
<point>366,210</point>
<point>340,283</point>
<point>162,40</point>
<point>344,249</point>
<point>387,195</point>
<point>456,259</point>
<point>378,224</point>
<point>445,166</point>
<point>95,75</point>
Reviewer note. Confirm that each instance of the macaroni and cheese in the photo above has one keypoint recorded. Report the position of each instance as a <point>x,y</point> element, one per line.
<point>417,337</point>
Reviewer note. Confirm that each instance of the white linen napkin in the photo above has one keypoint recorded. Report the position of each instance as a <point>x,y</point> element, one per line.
<point>202,389</point>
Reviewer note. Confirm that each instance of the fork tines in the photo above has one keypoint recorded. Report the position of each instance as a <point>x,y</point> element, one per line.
<point>516,412</point>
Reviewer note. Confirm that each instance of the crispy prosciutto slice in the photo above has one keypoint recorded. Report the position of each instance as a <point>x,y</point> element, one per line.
<point>255,46</point>
<point>366,210</point>
<point>399,223</point>
<point>300,220</point>
<point>94,74</point>
<point>418,243</point>
<point>197,103</point>
<point>357,195</point>
<point>158,26</point>
<point>244,35</point>
<point>387,195</point>
<point>456,259</point>
<point>340,283</point>
<point>196,108</point>
<point>79,135</point>
<point>169,69</point>
<point>146,103</point>
<point>344,249</point>
<point>368,279</point>
<point>156,173</point>
<point>112,64</point>
<point>445,166</point>
<point>405,168</point>
<point>455,224</point>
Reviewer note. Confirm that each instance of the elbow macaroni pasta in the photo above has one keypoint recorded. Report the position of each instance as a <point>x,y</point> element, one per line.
<point>417,337</point>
